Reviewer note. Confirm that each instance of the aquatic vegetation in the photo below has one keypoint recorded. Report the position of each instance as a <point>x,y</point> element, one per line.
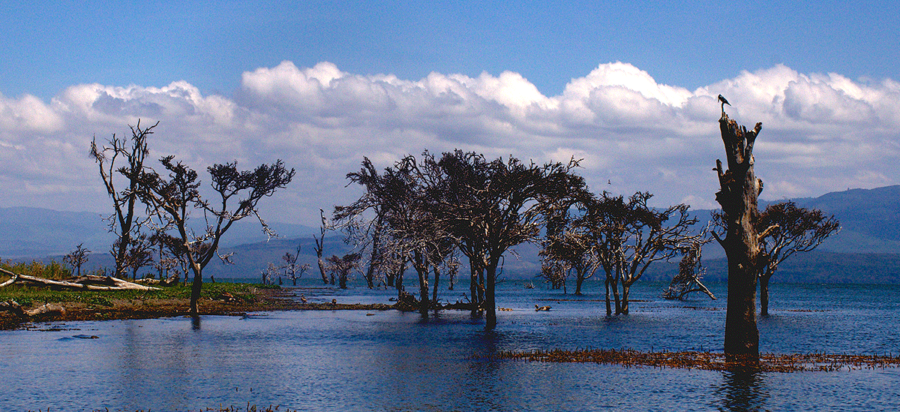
<point>709,360</point>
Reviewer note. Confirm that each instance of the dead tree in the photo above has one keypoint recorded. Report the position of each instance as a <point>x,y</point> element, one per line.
<point>320,247</point>
<point>738,191</point>
<point>104,283</point>
<point>123,220</point>
<point>292,269</point>
<point>690,274</point>
<point>793,229</point>
<point>77,258</point>
<point>170,199</point>
<point>342,267</point>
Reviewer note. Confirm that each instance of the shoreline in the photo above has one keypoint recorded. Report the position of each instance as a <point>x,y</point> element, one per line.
<point>114,307</point>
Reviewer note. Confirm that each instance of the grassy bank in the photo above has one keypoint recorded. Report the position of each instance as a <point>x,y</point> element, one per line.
<point>216,299</point>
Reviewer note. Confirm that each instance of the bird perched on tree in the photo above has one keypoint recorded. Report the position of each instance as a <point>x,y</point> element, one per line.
<point>724,102</point>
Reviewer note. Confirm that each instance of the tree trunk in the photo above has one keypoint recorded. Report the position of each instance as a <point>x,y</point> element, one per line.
<point>322,267</point>
<point>437,282</point>
<point>97,283</point>
<point>473,285</point>
<point>579,280</point>
<point>608,307</point>
<point>764,294</point>
<point>625,291</point>
<point>422,272</point>
<point>398,277</point>
<point>196,287</point>
<point>490,303</point>
<point>739,189</point>
<point>615,288</point>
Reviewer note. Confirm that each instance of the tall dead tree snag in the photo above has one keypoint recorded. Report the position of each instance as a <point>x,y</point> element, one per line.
<point>738,191</point>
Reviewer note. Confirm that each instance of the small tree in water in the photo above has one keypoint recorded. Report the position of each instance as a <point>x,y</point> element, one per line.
<point>793,229</point>
<point>342,267</point>
<point>292,269</point>
<point>690,273</point>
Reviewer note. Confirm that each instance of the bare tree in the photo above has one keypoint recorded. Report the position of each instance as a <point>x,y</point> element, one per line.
<point>320,247</point>
<point>138,255</point>
<point>77,258</point>
<point>571,252</point>
<point>343,267</point>
<point>739,189</point>
<point>793,229</point>
<point>294,270</point>
<point>269,273</point>
<point>630,235</point>
<point>491,207</point>
<point>123,221</point>
<point>690,274</point>
<point>172,198</point>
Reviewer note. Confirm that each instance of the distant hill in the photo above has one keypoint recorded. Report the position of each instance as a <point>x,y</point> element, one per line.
<point>870,220</point>
<point>867,250</point>
<point>27,232</point>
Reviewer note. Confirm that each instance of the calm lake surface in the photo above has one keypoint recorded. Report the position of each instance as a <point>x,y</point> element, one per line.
<point>392,361</point>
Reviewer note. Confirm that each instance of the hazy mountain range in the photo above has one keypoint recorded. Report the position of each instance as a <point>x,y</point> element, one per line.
<point>867,250</point>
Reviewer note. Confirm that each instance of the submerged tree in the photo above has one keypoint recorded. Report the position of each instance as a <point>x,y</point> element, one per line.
<point>460,201</point>
<point>342,267</point>
<point>570,252</point>
<point>690,274</point>
<point>123,221</point>
<point>320,247</point>
<point>171,199</point>
<point>793,229</point>
<point>630,235</point>
<point>738,191</point>
<point>292,269</point>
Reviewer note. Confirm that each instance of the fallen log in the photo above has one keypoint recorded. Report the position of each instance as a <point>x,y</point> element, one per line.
<point>18,310</point>
<point>99,283</point>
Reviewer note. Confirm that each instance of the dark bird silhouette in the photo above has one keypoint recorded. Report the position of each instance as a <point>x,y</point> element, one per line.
<point>724,102</point>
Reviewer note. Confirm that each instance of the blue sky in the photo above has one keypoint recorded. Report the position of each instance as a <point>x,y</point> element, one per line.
<point>629,86</point>
<point>209,44</point>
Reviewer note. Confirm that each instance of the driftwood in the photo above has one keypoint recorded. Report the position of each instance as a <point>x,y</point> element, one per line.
<point>15,308</point>
<point>165,282</point>
<point>99,283</point>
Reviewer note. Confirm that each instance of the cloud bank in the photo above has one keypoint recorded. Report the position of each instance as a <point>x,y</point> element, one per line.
<point>821,132</point>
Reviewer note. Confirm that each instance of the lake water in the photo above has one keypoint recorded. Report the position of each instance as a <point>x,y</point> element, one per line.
<point>392,361</point>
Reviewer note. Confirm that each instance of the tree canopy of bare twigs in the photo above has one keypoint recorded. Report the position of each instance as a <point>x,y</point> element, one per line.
<point>77,258</point>
<point>793,229</point>
<point>690,274</point>
<point>629,235</point>
<point>123,221</point>
<point>459,200</point>
<point>171,198</point>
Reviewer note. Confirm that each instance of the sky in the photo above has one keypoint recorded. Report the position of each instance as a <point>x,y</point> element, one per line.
<point>629,87</point>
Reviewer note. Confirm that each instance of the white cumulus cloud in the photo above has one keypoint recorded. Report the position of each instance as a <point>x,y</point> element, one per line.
<point>821,132</point>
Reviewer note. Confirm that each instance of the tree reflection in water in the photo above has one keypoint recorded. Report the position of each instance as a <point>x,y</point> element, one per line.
<point>742,390</point>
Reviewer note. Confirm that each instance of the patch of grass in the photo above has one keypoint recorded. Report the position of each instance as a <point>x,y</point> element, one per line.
<point>52,270</point>
<point>28,295</point>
